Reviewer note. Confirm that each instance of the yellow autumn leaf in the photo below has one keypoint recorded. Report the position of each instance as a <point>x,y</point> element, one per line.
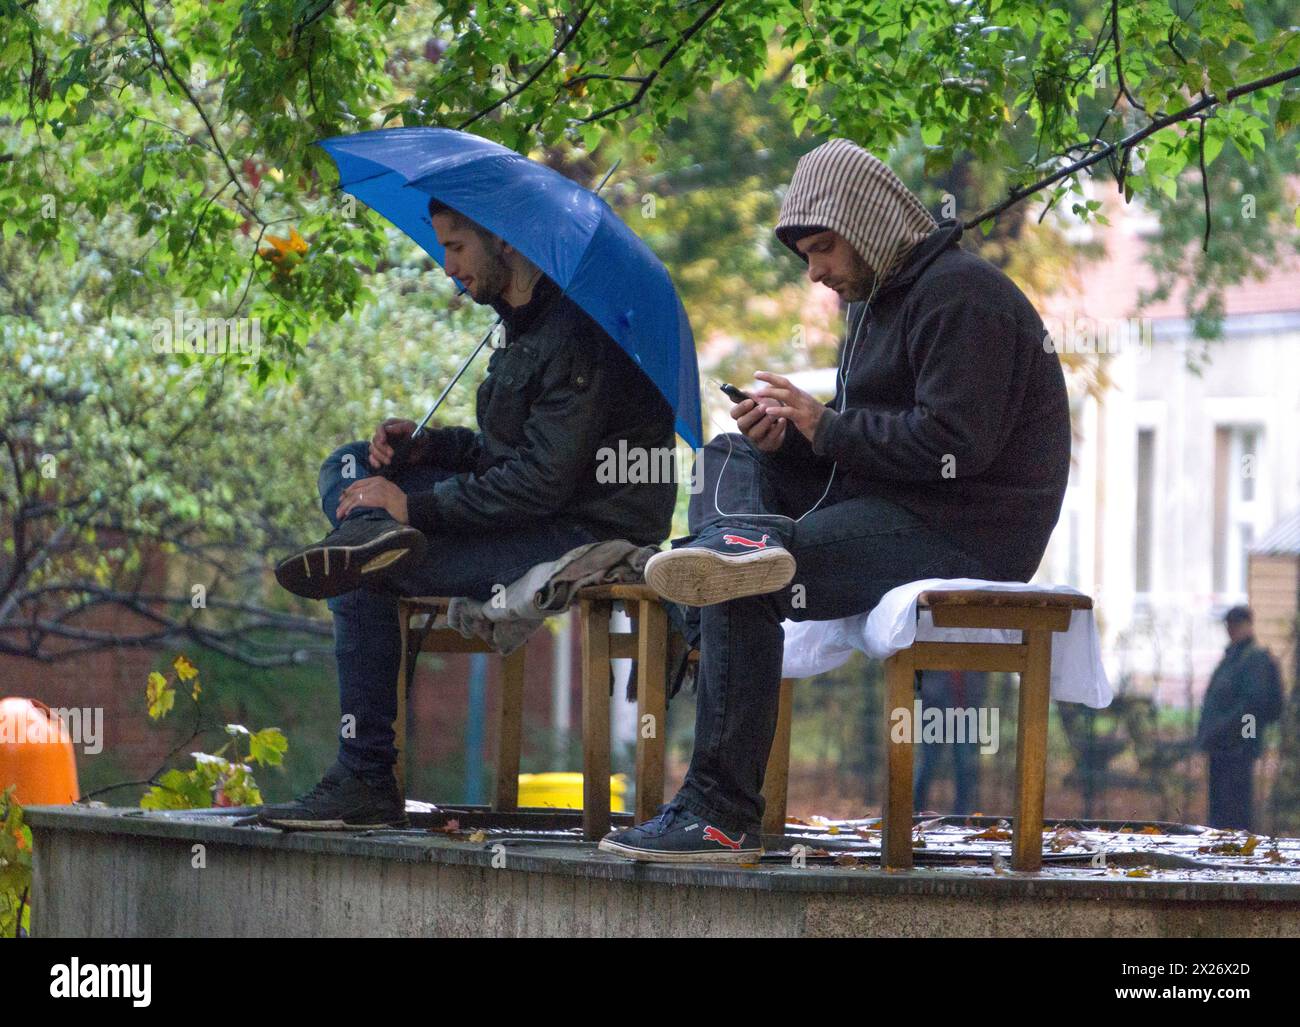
<point>185,670</point>
<point>281,249</point>
<point>159,694</point>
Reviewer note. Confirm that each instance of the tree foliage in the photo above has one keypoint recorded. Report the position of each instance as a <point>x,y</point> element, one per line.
<point>194,121</point>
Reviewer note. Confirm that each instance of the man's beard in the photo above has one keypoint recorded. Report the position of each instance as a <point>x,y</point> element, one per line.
<point>861,282</point>
<point>493,278</point>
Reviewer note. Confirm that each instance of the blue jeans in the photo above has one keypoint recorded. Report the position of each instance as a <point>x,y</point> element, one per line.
<point>849,552</point>
<point>367,636</point>
<point>938,690</point>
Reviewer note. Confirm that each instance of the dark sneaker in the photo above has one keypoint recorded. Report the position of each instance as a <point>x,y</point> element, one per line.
<point>722,566</point>
<point>342,801</point>
<point>359,550</point>
<point>677,835</point>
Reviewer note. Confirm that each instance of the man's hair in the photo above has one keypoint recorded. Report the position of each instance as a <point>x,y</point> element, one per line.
<point>1239,615</point>
<point>436,207</point>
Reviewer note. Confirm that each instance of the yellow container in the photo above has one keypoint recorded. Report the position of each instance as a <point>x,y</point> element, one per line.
<point>564,791</point>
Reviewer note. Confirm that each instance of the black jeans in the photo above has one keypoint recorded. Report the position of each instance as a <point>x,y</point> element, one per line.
<point>1232,788</point>
<point>367,637</point>
<point>849,552</point>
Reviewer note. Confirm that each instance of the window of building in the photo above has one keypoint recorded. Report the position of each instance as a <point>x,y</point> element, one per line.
<point>1237,508</point>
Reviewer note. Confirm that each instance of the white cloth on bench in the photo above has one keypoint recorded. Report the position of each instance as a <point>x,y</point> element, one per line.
<point>814,647</point>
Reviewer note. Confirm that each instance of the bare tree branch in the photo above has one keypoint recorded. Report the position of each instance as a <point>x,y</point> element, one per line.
<point>1129,141</point>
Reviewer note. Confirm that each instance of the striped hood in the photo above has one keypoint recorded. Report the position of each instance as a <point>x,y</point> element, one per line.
<point>840,186</point>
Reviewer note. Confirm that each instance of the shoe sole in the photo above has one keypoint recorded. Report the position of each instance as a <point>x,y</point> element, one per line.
<point>709,856</point>
<point>701,577</point>
<point>323,572</point>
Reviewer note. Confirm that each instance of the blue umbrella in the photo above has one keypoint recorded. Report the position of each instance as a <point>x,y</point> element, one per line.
<point>567,231</point>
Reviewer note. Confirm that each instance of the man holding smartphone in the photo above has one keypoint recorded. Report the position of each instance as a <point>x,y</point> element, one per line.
<point>944,454</point>
<point>470,510</point>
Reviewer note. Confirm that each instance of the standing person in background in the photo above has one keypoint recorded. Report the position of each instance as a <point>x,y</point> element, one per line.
<point>1244,694</point>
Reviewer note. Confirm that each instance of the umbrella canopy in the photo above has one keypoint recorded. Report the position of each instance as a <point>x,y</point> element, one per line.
<point>567,231</point>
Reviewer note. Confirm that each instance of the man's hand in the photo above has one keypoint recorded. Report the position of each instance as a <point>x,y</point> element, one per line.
<point>374,491</point>
<point>790,403</point>
<point>387,435</point>
<point>753,418</point>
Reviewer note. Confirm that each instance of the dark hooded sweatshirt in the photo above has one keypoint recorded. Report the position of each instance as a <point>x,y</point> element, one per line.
<point>955,409</point>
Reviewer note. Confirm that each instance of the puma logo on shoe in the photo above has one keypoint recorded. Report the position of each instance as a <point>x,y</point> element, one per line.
<point>748,543</point>
<point>712,834</point>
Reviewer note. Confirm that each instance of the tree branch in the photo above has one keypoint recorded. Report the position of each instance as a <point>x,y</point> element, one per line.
<point>649,80</point>
<point>551,59</point>
<point>156,47</point>
<point>1129,141</point>
<point>1119,61</point>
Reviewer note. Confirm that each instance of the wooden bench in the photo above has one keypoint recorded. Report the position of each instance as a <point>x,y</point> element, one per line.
<point>435,638</point>
<point>646,642</point>
<point>1037,615</point>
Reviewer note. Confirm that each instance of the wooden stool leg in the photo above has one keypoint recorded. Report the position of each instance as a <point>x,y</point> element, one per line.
<point>509,727</point>
<point>593,617</point>
<point>399,725</point>
<point>896,839</point>
<point>777,778</point>
<point>651,718</point>
<point>1031,751</point>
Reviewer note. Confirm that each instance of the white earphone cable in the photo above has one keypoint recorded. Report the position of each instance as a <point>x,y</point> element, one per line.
<point>842,375</point>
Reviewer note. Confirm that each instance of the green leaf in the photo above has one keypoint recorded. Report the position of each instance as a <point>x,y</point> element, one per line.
<point>1213,145</point>
<point>267,747</point>
<point>1288,114</point>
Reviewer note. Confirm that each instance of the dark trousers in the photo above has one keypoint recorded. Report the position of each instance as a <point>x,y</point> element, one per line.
<point>940,691</point>
<point>849,552</point>
<point>367,637</point>
<point>1232,783</point>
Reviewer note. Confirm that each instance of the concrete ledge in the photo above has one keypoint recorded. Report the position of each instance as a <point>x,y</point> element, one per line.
<point>117,872</point>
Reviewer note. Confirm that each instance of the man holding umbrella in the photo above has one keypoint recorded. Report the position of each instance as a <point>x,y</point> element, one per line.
<point>467,509</point>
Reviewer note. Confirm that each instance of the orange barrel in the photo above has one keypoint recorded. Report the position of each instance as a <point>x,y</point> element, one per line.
<point>36,754</point>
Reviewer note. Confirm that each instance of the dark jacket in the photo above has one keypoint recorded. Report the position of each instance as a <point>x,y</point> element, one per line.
<point>955,410</point>
<point>558,392</point>
<point>1236,688</point>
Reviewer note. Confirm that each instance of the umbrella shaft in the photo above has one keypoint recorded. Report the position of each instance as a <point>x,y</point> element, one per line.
<point>402,448</point>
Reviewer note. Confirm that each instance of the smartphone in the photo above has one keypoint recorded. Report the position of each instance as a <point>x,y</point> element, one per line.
<point>734,394</point>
